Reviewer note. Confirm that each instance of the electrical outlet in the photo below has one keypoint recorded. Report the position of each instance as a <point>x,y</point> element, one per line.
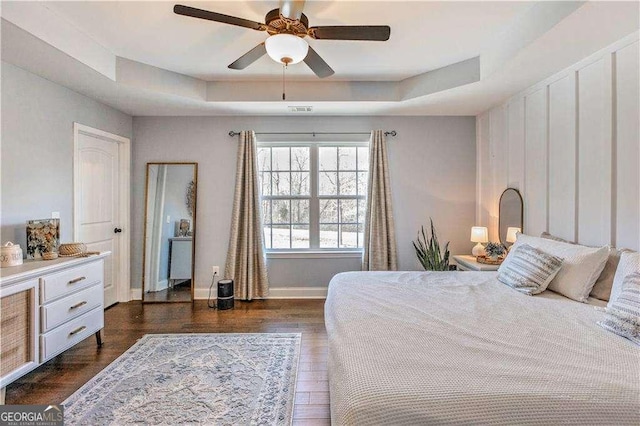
<point>55,215</point>
<point>215,270</point>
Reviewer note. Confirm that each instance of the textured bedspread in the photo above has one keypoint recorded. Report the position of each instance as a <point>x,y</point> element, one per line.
<point>419,348</point>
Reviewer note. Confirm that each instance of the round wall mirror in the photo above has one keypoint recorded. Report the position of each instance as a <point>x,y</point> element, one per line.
<point>510,215</point>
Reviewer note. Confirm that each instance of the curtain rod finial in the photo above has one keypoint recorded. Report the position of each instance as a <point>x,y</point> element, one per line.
<point>232,133</point>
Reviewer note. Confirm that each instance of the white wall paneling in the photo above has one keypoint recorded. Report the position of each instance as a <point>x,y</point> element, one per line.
<point>627,147</point>
<point>562,157</point>
<point>594,152</point>
<point>571,144</point>
<point>498,170</point>
<point>515,144</point>
<point>535,188</point>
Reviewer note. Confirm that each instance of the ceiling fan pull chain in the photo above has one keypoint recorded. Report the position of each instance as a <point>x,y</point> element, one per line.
<point>284,67</point>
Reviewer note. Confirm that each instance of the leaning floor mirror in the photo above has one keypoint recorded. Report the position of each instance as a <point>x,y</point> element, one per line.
<point>169,232</point>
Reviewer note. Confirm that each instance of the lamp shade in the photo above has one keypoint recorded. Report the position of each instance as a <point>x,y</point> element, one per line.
<point>286,48</point>
<point>479,234</point>
<point>511,234</point>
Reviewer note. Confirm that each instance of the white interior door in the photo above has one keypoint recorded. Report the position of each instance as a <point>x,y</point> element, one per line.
<point>97,203</point>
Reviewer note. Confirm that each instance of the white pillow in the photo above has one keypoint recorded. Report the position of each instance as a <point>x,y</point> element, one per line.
<point>602,288</point>
<point>629,263</point>
<point>581,265</point>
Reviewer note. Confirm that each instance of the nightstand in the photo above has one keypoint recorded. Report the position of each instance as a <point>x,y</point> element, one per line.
<point>469,263</point>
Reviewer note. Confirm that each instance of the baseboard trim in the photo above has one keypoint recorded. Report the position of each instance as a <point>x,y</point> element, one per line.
<point>274,293</point>
<point>277,293</point>
<point>135,294</point>
<point>297,293</point>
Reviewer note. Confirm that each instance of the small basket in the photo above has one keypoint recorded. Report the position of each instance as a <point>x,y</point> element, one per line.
<point>50,255</point>
<point>489,261</point>
<point>74,249</point>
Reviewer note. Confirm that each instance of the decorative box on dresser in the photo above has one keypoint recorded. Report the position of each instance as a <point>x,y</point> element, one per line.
<point>46,307</point>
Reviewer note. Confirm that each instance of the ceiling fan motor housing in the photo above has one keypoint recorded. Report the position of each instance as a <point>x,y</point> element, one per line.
<point>277,24</point>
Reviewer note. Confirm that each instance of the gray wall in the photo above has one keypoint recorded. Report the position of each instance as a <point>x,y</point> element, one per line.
<point>432,161</point>
<point>37,148</point>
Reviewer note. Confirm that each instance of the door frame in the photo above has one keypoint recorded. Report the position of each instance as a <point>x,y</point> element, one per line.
<point>123,288</point>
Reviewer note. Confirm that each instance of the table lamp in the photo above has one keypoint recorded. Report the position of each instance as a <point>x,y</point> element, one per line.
<point>511,234</point>
<point>479,234</point>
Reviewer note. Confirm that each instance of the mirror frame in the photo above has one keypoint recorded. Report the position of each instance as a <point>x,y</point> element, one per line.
<point>500,212</point>
<point>193,241</point>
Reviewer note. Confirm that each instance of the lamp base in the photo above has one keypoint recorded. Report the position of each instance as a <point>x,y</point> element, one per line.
<point>478,250</point>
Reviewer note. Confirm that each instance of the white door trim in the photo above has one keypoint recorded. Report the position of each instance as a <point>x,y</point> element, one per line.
<point>124,160</point>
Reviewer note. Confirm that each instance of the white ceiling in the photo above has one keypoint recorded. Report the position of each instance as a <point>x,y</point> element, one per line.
<point>80,45</point>
<point>424,35</point>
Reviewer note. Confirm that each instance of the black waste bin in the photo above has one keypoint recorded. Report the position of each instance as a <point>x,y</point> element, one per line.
<point>225,294</point>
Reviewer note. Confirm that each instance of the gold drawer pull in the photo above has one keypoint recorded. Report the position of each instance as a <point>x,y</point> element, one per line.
<point>77,330</point>
<point>77,305</point>
<point>77,280</point>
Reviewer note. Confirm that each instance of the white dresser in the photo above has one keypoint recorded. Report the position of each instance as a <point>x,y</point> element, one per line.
<point>46,308</point>
<point>180,263</point>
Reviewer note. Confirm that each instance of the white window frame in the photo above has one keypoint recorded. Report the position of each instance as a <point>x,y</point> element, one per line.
<point>314,203</point>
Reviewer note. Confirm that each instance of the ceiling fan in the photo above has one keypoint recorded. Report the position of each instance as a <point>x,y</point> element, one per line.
<point>287,27</point>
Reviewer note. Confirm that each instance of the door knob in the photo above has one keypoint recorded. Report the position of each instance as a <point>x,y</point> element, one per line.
<point>117,230</point>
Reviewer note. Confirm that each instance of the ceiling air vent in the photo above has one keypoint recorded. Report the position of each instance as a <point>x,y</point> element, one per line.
<point>300,109</point>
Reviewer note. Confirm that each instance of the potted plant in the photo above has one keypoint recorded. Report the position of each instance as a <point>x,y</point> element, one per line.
<point>494,251</point>
<point>428,250</point>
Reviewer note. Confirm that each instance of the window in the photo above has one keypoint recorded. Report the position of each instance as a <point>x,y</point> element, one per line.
<point>313,195</point>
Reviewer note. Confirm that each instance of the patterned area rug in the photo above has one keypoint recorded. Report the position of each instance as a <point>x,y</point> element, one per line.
<point>208,379</point>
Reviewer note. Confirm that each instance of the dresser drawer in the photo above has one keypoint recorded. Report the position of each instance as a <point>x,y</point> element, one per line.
<point>70,333</point>
<point>62,310</point>
<point>70,280</point>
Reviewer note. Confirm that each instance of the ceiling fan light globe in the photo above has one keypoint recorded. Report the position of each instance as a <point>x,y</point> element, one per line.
<point>286,48</point>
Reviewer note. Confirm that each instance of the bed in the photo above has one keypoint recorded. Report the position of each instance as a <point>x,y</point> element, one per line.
<point>421,348</point>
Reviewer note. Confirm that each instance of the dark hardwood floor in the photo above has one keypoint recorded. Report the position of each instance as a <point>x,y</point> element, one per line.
<point>125,323</point>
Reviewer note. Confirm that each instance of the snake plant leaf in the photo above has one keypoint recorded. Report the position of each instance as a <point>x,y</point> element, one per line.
<point>428,250</point>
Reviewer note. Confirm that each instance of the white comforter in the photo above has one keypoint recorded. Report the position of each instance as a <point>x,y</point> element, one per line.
<point>419,348</point>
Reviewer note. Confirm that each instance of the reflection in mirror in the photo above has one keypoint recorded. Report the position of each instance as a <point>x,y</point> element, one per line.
<point>510,215</point>
<point>170,225</point>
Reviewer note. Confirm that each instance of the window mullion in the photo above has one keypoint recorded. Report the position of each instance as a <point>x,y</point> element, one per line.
<point>314,203</point>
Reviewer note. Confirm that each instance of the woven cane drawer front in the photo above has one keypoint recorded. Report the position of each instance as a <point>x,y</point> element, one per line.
<point>70,333</point>
<point>62,310</point>
<point>15,331</point>
<point>53,286</point>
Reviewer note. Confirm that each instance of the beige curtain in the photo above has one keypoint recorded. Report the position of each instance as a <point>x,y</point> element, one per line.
<point>245,258</point>
<point>380,252</point>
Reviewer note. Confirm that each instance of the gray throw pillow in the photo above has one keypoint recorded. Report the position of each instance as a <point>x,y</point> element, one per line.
<point>529,269</point>
<point>623,314</point>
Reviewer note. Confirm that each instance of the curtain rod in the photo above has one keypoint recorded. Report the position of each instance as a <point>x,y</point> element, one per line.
<point>233,133</point>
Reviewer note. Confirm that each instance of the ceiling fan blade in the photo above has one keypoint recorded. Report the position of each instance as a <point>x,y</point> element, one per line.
<point>317,64</point>
<point>291,9</point>
<point>362,32</point>
<point>250,57</point>
<point>217,17</point>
